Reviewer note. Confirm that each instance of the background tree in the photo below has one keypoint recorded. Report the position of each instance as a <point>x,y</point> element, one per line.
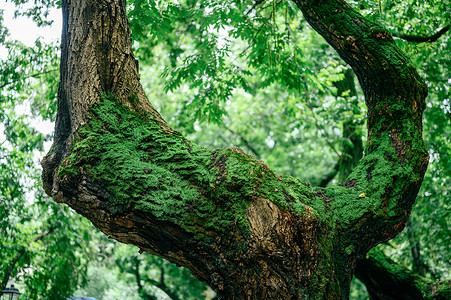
<point>41,242</point>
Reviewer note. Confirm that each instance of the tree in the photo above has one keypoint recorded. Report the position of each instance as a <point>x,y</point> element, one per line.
<point>224,215</point>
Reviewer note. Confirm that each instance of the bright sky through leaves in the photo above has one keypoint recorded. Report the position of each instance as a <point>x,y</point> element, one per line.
<point>25,30</point>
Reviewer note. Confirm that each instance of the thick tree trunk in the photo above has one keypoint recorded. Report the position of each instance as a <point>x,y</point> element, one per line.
<point>222,214</point>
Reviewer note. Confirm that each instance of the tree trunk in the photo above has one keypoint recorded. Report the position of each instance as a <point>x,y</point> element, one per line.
<point>247,232</point>
<point>418,264</point>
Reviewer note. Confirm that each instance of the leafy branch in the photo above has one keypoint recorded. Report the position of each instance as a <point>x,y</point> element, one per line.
<point>10,267</point>
<point>30,76</point>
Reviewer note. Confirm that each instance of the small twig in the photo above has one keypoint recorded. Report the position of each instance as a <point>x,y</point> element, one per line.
<point>244,140</point>
<point>269,5</point>
<point>258,2</point>
<point>319,128</point>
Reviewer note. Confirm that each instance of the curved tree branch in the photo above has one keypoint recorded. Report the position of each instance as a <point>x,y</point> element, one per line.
<point>423,38</point>
<point>387,280</point>
<point>384,74</point>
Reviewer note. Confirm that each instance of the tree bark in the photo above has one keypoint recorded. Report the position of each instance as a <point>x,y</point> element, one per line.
<point>247,232</point>
<point>386,280</point>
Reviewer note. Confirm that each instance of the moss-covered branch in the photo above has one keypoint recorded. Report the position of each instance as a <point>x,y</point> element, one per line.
<point>385,279</point>
<point>389,175</point>
<point>218,208</point>
<point>147,169</point>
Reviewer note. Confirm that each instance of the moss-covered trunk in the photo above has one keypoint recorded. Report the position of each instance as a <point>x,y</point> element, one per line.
<point>247,232</point>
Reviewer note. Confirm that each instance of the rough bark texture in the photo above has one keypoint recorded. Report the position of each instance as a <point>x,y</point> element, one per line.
<point>386,280</point>
<point>224,215</point>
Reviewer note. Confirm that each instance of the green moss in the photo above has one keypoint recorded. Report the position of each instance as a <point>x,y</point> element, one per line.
<point>418,287</point>
<point>145,168</point>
